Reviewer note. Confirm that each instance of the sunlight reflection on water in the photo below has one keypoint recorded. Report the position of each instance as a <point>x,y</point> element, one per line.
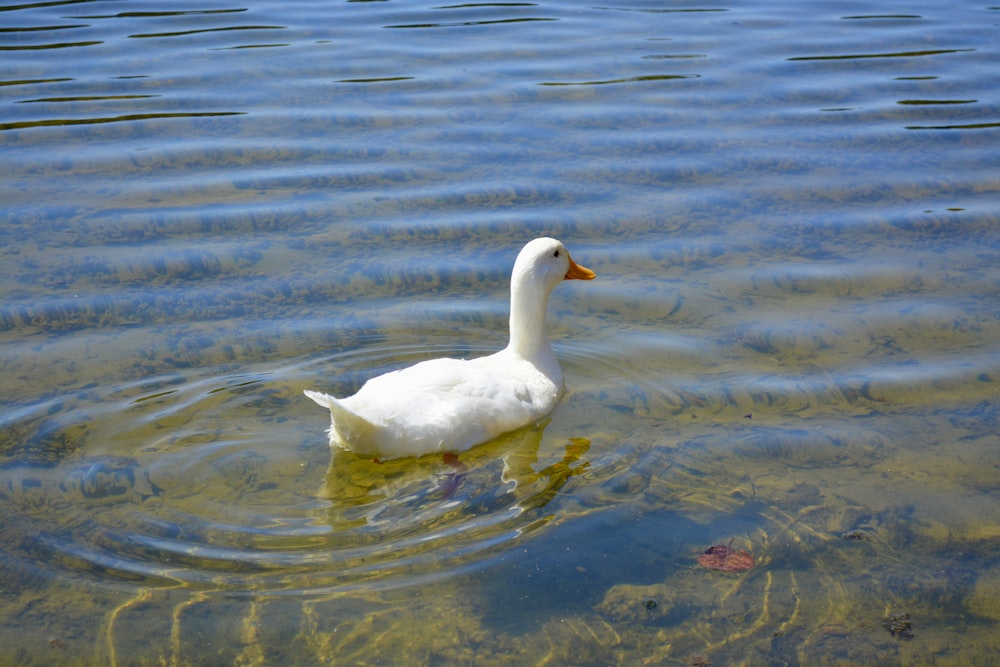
<point>790,346</point>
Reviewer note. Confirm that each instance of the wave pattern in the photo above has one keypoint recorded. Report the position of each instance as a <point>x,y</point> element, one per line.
<point>791,346</point>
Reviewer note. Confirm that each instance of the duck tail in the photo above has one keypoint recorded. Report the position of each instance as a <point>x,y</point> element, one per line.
<point>346,427</point>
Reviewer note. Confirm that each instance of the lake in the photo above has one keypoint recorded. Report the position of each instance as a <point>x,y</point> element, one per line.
<point>780,439</point>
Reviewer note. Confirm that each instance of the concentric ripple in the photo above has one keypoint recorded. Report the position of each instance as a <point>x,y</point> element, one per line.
<point>174,490</point>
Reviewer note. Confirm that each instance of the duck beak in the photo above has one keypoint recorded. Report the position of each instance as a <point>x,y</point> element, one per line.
<point>577,272</point>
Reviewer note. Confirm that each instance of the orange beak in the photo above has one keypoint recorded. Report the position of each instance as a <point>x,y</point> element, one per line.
<point>577,272</point>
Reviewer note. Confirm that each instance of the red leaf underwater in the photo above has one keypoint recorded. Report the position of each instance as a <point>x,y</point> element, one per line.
<point>721,557</point>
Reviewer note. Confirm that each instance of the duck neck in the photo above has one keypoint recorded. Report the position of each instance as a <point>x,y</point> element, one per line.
<point>527,325</point>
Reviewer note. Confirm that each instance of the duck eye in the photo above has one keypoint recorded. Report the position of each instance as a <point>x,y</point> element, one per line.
<point>556,253</point>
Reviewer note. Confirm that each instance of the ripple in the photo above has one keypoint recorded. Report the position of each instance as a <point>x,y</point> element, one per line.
<point>51,45</point>
<point>163,13</point>
<point>881,17</point>
<point>956,126</point>
<point>629,79</point>
<point>125,118</point>
<point>931,102</point>
<point>454,24</point>
<point>891,54</point>
<point>172,489</point>
<point>87,98</point>
<point>793,309</point>
<point>186,33</point>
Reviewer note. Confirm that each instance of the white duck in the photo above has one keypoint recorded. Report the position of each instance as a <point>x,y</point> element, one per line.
<point>450,405</point>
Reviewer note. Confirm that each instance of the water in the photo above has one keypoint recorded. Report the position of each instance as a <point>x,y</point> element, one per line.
<point>790,349</point>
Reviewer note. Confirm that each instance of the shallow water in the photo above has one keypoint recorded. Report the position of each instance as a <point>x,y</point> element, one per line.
<point>791,347</point>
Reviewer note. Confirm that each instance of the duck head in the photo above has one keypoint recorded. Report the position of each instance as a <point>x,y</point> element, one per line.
<point>545,262</point>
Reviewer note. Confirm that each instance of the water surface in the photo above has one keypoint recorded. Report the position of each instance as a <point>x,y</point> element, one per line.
<point>791,347</point>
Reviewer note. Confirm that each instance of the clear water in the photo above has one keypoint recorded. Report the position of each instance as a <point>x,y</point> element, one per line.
<point>792,346</point>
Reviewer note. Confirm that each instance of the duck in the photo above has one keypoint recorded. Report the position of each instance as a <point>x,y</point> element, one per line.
<point>449,405</point>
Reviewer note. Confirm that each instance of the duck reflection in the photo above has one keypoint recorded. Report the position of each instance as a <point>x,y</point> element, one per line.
<point>370,492</point>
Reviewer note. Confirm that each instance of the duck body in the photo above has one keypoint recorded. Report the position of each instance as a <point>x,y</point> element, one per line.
<point>451,405</point>
<point>441,405</point>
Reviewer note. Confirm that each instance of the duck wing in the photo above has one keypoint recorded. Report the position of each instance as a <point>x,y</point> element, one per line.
<point>440,405</point>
